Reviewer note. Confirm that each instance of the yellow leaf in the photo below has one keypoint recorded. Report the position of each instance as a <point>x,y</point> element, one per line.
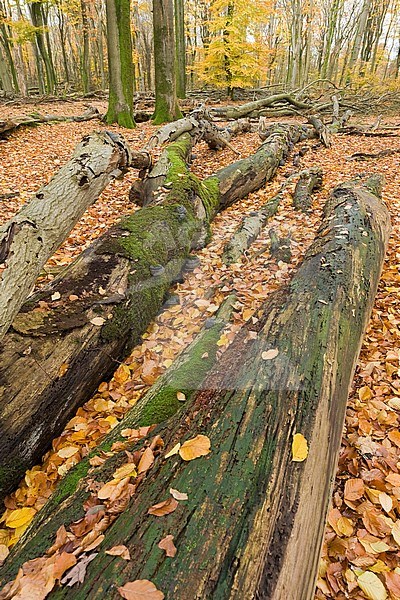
<point>181,396</point>
<point>174,450</point>
<point>365,393</point>
<point>128,470</point>
<point>345,526</point>
<point>299,448</point>
<point>223,340</point>
<point>372,586</point>
<point>194,448</point>
<point>20,517</point>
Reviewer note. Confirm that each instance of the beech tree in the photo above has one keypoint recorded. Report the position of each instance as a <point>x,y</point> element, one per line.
<point>120,64</point>
<point>167,108</point>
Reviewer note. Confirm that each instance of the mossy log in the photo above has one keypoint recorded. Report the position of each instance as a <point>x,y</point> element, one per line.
<point>251,108</point>
<point>9,125</point>
<point>29,239</point>
<point>309,181</point>
<point>251,509</point>
<point>249,230</point>
<point>68,337</point>
<point>280,247</point>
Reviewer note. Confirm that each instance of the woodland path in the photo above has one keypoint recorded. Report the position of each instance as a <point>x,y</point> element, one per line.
<point>370,450</point>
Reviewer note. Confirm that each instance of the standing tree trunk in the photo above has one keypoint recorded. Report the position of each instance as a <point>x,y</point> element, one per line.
<point>85,61</point>
<point>250,503</point>
<point>180,48</point>
<point>120,64</point>
<point>166,108</point>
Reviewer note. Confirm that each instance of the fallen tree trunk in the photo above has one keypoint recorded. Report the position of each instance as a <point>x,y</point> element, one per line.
<point>249,230</point>
<point>29,239</point>
<point>9,125</point>
<point>244,110</point>
<point>249,501</point>
<point>67,338</point>
<point>309,180</point>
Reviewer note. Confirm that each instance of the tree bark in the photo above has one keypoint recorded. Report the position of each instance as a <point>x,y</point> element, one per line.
<point>310,180</point>
<point>249,503</point>
<point>166,108</point>
<point>249,230</point>
<point>120,64</point>
<point>29,239</point>
<point>121,282</point>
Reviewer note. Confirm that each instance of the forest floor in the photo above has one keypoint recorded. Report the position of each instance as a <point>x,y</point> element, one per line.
<point>366,498</point>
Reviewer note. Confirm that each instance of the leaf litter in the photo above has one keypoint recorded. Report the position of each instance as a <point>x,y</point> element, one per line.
<point>360,557</point>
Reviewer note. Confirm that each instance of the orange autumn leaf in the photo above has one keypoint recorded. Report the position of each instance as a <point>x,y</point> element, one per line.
<point>195,447</point>
<point>63,562</point>
<point>121,551</point>
<point>168,545</point>
<point>353,489</point>
<point>394,436</point>
<point>163,508</point>
<point>141,589</point>
<point>146,461</point>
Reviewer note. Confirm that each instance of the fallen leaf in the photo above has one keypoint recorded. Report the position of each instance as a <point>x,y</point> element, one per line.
<point>178,495</point>
<point>174,450</point>
<point>99,321</point>
<point>270,354</point>
<point>393,584</point>
<point>372,586</point>
<point>141,589</point>
<point>181,396</point>
<point>195,447</point>
<point>56,296</point>
<point>386,502</point>
<point>78,572</point>
<point>396,532</point>
<point>299,448</point>
<point>20,517</point>
<point>63,562</point>
<point>4,552</point>
<point>365,393</point>
<point>127,470</point>
<point>67,451</point>
<point>163,508</point>
<point>168,545</point>
<point>146,461</point>
<point>121,551</point>
<point>353,489</point>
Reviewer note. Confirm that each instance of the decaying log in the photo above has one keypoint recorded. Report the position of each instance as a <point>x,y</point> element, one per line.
<point>309,181</point>
<point>280,247</point>
<point>249,503</point>
<point>33,235</point>
<point>59,349</point>
<point>322,130</point>
<point>244,110</point>
<point>249,230</point>
<point>369,155</point>
<point>9,125</point>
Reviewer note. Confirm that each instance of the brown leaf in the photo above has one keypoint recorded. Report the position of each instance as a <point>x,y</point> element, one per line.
<point>168,545</point>
<point>63,562</point>
<point>121,551</point>
<point>78,572</point>
<point>353,489</point>
<point>393,584</point>
<point>146,461</point>
<point>163,508</point>
<point>141,589</point>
